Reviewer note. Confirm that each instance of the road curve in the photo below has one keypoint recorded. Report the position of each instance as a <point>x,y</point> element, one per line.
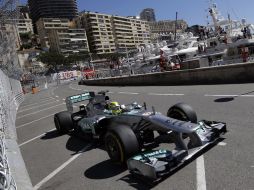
<point>66,162</point>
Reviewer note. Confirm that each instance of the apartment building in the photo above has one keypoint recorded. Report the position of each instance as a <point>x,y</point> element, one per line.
<point>168,26</point>
<point>109,34</point>
<point>163,30</point>
<point>99,31</point>
<point>68,41</point>
<point>130,33</point>
<point>45,25</point>
<point>53,9</point>
<point>24,23</point>
<point>148,14</point>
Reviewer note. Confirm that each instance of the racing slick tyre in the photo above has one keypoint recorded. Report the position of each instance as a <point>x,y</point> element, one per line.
<point>63,122</point>
<point>121,143</point>
<point>182,111</point>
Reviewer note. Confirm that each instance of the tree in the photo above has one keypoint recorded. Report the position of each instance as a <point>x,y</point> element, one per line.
<point>74,58</point>
<point>26,40</point>
<point>25,36</point>
<point>52,59</point>
<point>111,56</point>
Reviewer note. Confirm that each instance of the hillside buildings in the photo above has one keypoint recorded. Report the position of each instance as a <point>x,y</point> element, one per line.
<point>109,33</point>
<point>99,31</point>
<point>61,29</point>
<point>45,25</point>
<point>163,30</point>
<point>24,23</point>
<point>168,26</point>
<point>68,41</point>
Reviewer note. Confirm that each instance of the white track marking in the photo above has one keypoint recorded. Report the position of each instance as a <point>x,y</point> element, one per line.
<point>57,96</point>
<point>47,98</point>
<point>71,87</point>
<point>20,111</point>
<point>246,95</point>
<point>26,142</point>
<point>222,144</point>
<point>227,95</point>
<point>37,103</point>
<point>60,168</point>
<point>35,121</point>
<point>132,93</point>
<point>155,94</point>
<point>201,180</point>
<point>39,111</point>
<point>53,91</point>
<point>111,92</point>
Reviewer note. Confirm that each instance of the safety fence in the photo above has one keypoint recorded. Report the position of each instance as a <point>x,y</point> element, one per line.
<point>10,98</point>
<point>31,81</point>
<point>148,68</point>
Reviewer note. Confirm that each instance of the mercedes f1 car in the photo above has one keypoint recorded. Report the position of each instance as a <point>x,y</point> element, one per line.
<point>131,135</point>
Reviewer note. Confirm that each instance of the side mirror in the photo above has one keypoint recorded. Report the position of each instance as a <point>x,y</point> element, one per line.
<point>123,107</point>
<point>145,107</point>
<point>82,107</point>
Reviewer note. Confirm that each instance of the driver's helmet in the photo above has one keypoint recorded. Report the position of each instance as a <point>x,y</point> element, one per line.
<point>115,108</point>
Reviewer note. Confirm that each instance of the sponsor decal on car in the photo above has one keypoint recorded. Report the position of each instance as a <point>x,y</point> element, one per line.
<point>80,97</point>
<point>158,154</point>
<point>147,113</point>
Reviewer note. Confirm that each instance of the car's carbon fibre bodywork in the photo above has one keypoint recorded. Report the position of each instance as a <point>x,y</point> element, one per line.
<point>157,163</point>
<point>189,138</point>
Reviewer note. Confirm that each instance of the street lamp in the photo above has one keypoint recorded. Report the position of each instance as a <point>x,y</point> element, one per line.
<point>91,59</point>
<point>127,55</point>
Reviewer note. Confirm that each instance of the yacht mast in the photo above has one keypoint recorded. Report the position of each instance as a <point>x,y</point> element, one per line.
<point>176,25</point>
<point>214,14</point>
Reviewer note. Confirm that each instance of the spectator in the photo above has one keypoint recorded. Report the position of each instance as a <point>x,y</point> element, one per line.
<point>244,31</point>
<point>248,33</point>
<point>199,48</point>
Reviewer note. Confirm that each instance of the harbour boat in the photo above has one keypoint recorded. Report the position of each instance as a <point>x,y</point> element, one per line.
<point>221,42</point>
<point>226,41</point>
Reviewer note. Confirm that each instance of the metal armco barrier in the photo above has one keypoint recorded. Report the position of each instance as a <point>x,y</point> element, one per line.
<point>227,74</point>
<point>10,98</point>
<point>13,172</point>
<point>6,179</point>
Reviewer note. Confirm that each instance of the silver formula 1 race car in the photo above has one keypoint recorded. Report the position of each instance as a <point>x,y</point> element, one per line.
<point>131,135</point>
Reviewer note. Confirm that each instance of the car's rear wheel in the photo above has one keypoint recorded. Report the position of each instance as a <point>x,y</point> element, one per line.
<point>121,143</point>
<point>63,122</point>
<point>183,112</point>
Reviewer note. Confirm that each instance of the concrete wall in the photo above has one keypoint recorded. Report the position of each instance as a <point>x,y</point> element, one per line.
<point>14,172</point>
<point>235,73</point>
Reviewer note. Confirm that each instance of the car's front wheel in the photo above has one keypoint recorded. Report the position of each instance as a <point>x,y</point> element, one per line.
<point>183,112</point>
<point>63,122</point>
<point>121,143</point>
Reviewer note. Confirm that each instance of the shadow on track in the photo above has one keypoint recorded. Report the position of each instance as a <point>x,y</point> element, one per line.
<point>229,99</point>
<point>139,182</point>
<point>247,93</point>
<point>104,170</point>
<point>51,135</point>
<point>221,100</point>
<point>76,144</point>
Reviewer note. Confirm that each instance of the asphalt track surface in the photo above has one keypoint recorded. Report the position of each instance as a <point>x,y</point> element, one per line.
<point>66,162</point>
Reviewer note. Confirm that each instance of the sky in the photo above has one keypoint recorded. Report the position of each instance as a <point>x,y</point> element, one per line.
<point>192,11</point>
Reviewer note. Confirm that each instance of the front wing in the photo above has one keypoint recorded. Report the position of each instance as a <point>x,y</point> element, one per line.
<point>156,164</point>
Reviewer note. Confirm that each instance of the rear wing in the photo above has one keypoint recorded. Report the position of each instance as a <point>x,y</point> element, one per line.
<point>78,98</point>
